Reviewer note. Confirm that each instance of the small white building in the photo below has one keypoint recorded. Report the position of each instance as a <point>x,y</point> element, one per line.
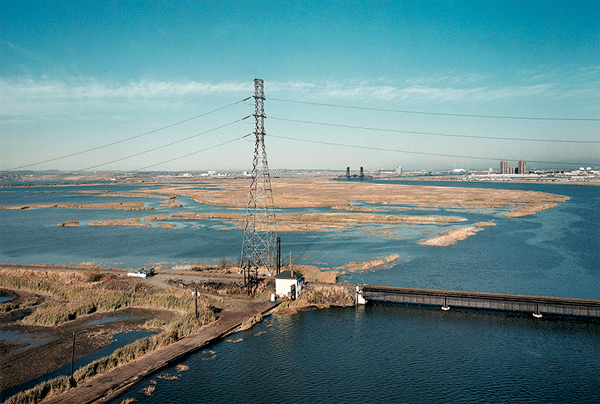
<point>288,282</point>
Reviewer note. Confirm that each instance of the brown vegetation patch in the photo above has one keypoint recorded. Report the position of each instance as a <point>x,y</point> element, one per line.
<point>211,287</point>
<point>485,224</point>
<point>119,223</point>
<point>223,287</point>
<point>156,217</point>
<point>365,266</point>
<point>109,205</point>
<point>187,215</point>
<point>317,296</point>
<point>70,223</point>
<point>449,237</point>
<point>315,274</point>
<point>223,268</point>
<point>71,295</point>
<point>324,221</point>
<point>171,203</point>
<point>304,192</point>
<point>529,209</point>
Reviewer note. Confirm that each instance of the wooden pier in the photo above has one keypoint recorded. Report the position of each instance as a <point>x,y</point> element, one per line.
<point>537,305</point>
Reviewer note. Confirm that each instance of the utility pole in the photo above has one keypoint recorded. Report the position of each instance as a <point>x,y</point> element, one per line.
<point>260,230</point>
<point>278,255</point>
<point>72,357</point>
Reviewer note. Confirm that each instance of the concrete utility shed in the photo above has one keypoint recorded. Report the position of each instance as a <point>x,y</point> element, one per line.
<point>287,281</point>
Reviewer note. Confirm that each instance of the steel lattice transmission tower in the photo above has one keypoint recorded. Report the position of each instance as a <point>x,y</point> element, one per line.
<point>260,231</point>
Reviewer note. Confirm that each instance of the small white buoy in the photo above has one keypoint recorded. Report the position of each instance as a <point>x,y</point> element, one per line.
<point>445,307</point>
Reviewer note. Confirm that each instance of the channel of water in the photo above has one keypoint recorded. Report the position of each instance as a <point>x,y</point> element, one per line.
<point>118,340</point>
<point>386,353</point>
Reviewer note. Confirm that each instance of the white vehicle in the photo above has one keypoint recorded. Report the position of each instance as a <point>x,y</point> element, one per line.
<point>142,273</point>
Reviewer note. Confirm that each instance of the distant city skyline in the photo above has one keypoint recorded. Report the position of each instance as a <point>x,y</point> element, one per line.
<point>521,167</point>
<point>422,85</point>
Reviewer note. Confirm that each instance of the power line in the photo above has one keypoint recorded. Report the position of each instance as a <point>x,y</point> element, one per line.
<point>196,152</point>
<point>160,147</point>
<point>434,133</point>
<point>403,111</point>
<point>117,125</point>
<point>418,153</point>
<point>126,139</point>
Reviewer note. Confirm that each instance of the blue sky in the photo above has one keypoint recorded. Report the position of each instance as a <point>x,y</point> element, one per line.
<point>82,75</point>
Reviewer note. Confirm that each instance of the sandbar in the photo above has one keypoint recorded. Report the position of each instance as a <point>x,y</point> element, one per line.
<point>449,237</point>
<point>119,223</point>
<point>108,205</point>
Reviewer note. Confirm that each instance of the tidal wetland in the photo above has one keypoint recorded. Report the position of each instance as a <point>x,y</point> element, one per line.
<point>535,239</point>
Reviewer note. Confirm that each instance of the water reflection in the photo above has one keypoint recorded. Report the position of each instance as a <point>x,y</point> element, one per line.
<point>118,340</point>
<point>389,353</point>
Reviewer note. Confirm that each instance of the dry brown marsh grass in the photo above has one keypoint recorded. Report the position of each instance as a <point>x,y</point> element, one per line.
<point>79,294</point>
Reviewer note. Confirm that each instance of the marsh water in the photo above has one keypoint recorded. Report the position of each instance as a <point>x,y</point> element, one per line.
<point>118,340</point>
<point>385,353</point>
<point>378,353</point>
<point>552,253</point>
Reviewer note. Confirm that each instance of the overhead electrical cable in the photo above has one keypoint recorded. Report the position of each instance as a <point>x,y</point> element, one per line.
<point>434,133</point>
<point>403,111</point>
<point>196,152</point>
<point>122,123</point>
<point>124,140</point>
<point>160,147</point>
<point>417,152</point>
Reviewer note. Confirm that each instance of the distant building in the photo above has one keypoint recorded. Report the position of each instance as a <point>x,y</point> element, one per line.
<point>289,284</point>
<point>506,169</point>
<point>503,167</point>
<point>398,170</point>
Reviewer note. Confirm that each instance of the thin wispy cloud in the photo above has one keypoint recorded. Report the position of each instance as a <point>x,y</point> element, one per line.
<point>93,89</point>
<point>18,49</point>
<point>46,96</point>
<point>29,97</point>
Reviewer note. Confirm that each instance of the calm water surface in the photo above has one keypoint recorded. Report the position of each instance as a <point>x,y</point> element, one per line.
<point>553,253</point>
<point>380,353</point>
<point>390,353</point>
<point>119,340</point>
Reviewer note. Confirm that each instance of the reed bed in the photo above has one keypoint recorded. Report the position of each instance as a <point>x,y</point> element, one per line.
<point>80,294</point>
<point>177,329</point>
<point>318,297</point>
